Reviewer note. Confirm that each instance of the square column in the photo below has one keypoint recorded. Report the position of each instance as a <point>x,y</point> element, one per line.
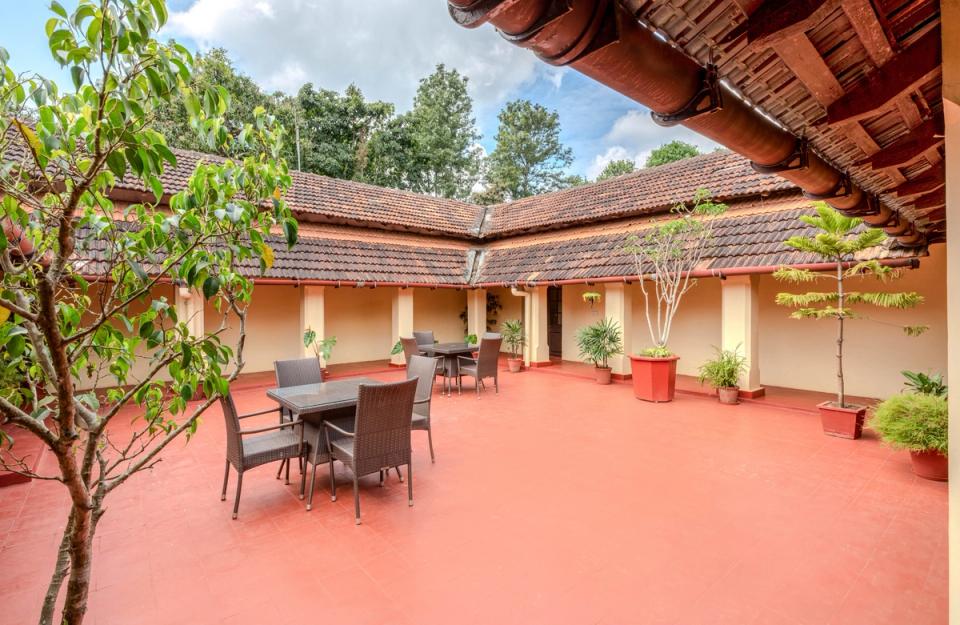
<point>740,327</point>
<point>402,320</point>
<point>189,304</point>
<point>537,347</point>
<point>312,306</point>
<point>477,312</point>
<point>618,305</point>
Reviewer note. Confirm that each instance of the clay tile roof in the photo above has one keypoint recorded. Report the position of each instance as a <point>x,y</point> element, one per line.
<point>738,241</point>
<point>726,175</point>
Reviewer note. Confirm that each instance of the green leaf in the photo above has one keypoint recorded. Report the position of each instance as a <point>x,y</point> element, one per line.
<point>210,286</point>
<point>76,74</point>
<point>290,229</point>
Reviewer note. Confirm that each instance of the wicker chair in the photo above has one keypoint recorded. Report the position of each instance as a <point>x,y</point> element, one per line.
<point>295,372</point>
<point>490,335</point>
<point>244,451</point>
<point>484,366</point>
<point>422,368</point>
<point>410,347</point>
<point>424,337</point>
<point>381,437</point>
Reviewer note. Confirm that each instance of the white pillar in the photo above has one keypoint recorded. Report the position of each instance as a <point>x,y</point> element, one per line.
<point>402,319</point>
<point>618,306</point>
<point>312,305</point>
<point>950,23</point>
<point>740,326</point>
<point>539,349</point>
<point>189,305</point>
<point>477,312</point>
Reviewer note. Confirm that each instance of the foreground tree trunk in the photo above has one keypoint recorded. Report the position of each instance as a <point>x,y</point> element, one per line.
<point>59,575</point>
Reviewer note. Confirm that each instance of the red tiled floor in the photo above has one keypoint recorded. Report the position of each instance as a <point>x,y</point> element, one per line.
<point>556,501</point>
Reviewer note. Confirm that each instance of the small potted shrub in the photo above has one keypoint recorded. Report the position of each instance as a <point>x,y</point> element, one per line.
<point>322,347</point>
<point>514,339</point>
<point>723,373</point>
<point>916,422</point>
<point>597,343</point>
<point>471,339</point>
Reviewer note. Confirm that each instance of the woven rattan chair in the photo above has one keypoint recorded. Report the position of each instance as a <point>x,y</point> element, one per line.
<point>246,451</point>
<point>381,437</point>
<point>490,335</point>
<point>424,338</point>
<point>422,368</point>
<point>484,366</point>
<point>295,372</point>
<point>410,347</point>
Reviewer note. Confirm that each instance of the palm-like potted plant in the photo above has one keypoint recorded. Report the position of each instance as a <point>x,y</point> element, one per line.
<point>597,343</point>
<point>723,373</point>
<point>838,241</point>
<point>322,347</point>
<point>514,339</point>
<point>916,421</point>
<point>666,257</point>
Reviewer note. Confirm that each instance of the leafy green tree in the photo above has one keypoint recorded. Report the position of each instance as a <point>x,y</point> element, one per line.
<point>838,242</point>
<point>573,180</point>
<point>616,168</point>
<point>670,152</point>
<point>433,148</point>
<point>529,157</point>
<point>58,325</point>
<point>212,70</point>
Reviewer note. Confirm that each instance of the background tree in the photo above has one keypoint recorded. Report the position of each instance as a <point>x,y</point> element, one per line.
<point>529,157</point>
<point>432,148</point>
<point>617,168</point>
<point>211,71</point>
<point>670,152</point>
<point>58,326</point>
<point>838,241</point>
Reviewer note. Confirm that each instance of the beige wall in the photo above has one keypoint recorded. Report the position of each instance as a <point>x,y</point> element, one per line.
<point>577,314</point>
<point>439,310</point>
<point>696,328</point>
<point>512,309</point>
<point>273,327</point>
<point>361,321</point>
<point>799,353</point>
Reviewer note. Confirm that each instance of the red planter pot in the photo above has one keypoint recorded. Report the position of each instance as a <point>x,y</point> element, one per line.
<point>654,379</point>
<point>602,375</point>
<point>930,465</point>
<point>729,395</point>
<point>842,422</point>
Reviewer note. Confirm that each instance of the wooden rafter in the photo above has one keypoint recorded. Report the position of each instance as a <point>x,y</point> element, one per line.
<point>930,181</point>
<point>903,74</point>
<point>798,53</point>
<point>865,23</point>
<point>909,148</point>
<point>772,21</point>
<point>931,200</point>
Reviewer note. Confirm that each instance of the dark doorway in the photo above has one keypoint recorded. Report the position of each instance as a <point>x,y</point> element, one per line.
<point>555,321</point>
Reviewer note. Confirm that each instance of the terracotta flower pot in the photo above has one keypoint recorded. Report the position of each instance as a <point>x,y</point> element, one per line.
<point>845,422</point>
<point>654,379</point>
<point>514,364</point>
<point>729,395</point>
<point>930,465</point>
<point>602,375</point>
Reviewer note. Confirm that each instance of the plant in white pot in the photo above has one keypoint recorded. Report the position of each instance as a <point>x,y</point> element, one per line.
<point>838,241</point>
<point>723,373</point>
<point>666,257</point>
<point>597,343</point>
<point>514,339</point>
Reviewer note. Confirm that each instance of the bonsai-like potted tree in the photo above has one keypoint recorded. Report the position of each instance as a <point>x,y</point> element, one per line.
<point>513,337</point>
<point>723,373</point>
<point>666,257</point>
<point>838,241</point>
<point>916,421</point>
<point>322,347</point>
<point>597,343</point>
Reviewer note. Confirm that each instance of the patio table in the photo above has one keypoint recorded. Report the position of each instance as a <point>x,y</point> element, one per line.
<point>450,352</point>
<point>310,401</point>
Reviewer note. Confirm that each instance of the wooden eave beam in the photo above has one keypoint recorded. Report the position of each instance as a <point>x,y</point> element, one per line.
<point>908,148</point>
<point>924,184</point>
<point>933,199</point>
<point>799,54</point>
<point>904,73</point>
<point>775,20</point>
<point>867,25</point>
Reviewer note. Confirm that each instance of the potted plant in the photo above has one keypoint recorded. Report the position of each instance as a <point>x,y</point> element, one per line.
<point>838,241</point>
<point>322,347</point>
<point>723,373</point>
<point>916,422</point>
<point>514,339</point>
<point>597,343</point>
<point>666,257</point>
<point>591,297</point>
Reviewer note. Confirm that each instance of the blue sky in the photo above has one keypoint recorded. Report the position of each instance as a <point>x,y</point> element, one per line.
<point>384,47</point>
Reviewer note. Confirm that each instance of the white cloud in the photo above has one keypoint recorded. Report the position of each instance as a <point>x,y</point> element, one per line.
<point>382,46</point>
<point>634,136</point>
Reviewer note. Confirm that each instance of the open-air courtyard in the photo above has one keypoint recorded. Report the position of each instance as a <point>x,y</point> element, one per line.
<point>554,501</point>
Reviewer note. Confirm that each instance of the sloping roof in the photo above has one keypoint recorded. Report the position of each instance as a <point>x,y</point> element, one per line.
<point>726,175</point>
<point>752,240</point>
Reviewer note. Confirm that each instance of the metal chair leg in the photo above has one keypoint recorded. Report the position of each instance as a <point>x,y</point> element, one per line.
<point>381,478</point>
<point>287,478</point>
<point>410,483</point>
<point>333,482</point>
<point>356,500</point>
<point>477,386</point>
<point>226,478</point>
<point>236,504</point>
<point>430,441</point>
<point>399,475</point>
<point>303,479</point>
<point>280,470</point>
<point>313,486</point>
